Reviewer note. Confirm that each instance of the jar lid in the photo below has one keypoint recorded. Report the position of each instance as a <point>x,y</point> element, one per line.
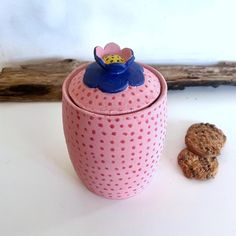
<point>114,84</point>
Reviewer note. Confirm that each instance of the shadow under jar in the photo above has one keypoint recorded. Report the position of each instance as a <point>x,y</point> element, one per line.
<point>114,122</point>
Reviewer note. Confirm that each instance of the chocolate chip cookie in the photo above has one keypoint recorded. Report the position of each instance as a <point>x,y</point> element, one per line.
<point>197,167</point>
<point>205,139</point>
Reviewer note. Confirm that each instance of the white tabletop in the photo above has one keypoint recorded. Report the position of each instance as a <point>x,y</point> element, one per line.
<point>41,194</point>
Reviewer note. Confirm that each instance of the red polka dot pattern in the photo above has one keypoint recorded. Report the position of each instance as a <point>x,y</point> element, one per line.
<point>129,100</point>
<point>115,156</point>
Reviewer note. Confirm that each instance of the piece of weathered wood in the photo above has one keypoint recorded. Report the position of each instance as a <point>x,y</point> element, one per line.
<point>181,76</point>
<point>43,81</point>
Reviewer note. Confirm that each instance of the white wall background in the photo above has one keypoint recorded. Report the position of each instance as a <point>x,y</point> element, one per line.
<point>180,31</point>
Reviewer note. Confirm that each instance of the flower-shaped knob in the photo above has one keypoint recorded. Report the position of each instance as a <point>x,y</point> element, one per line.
<point>114,69</point>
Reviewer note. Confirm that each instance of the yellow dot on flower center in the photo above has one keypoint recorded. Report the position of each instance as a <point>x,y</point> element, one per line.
<point>109,59</point>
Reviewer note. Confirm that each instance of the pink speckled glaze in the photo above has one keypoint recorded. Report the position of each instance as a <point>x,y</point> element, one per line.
<point>115,156</point>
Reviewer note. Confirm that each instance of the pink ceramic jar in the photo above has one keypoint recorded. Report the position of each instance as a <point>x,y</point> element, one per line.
<point>114,117</point>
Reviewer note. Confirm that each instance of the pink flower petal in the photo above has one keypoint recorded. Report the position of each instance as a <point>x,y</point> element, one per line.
<point>99,51</point>
<point>112,48</point>
<point>126,53</point>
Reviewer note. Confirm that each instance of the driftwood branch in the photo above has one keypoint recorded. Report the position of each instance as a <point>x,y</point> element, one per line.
<point>43,81</point>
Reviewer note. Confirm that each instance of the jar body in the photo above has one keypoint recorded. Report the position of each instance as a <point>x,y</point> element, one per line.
<point>115,156</point>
